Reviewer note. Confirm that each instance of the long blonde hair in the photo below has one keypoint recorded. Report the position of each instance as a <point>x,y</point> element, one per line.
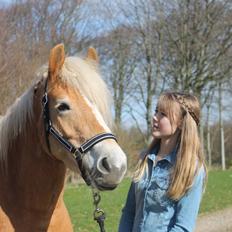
<point>185,109</point>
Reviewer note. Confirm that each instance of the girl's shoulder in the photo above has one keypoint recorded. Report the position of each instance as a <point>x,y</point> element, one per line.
<point>201,170</point>
<point>143,154</point>
<point>200,176</point>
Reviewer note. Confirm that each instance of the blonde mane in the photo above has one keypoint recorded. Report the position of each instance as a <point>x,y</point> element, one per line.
<point>14,121</point>
<point>76,72</point>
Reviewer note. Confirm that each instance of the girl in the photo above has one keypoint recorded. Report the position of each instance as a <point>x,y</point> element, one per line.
<point>167,186</point>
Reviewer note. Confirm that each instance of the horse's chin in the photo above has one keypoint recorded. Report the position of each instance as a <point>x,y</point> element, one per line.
<point>103,184</point>
<point>105,187</point>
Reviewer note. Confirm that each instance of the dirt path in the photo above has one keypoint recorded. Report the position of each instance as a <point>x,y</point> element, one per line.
<point>220,221</point>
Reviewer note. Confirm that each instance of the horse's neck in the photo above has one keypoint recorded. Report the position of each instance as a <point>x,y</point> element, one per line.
<point>34,180</point>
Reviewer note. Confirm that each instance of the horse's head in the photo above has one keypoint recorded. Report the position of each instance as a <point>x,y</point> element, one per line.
<point>77,109</point>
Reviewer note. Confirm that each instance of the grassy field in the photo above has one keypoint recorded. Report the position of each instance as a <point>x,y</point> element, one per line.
<point>78,200</point>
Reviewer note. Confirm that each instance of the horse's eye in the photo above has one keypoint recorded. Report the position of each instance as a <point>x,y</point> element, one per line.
<point>63,107</point>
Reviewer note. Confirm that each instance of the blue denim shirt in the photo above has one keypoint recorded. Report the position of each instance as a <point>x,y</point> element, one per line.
<point>149,209</point>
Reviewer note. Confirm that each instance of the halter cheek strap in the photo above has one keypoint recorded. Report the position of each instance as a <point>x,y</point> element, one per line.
<point>77,152</point>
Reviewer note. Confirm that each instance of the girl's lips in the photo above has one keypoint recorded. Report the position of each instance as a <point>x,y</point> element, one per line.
<point>155,127</point>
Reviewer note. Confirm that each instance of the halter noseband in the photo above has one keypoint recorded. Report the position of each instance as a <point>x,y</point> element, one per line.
<point>77,152</point>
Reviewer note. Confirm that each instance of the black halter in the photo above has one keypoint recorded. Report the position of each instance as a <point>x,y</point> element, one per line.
<point>77,152</point>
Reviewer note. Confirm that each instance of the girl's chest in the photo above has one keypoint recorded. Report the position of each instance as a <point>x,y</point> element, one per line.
<point>154,186</point>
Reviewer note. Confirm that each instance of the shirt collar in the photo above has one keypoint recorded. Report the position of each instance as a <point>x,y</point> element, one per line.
<point>171,157</point>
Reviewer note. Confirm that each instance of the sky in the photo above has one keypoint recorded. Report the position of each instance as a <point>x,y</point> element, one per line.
<point>5,2</point>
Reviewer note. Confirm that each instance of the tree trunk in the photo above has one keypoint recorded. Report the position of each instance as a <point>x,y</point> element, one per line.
<point>209,153</point>
<point>221,127</point>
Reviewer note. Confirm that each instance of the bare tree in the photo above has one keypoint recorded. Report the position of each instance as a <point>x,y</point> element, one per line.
<point>116,48</point>
<point>208,128</point>
<point>118,65</point>
<point>140,16</point>
<point>222,138</point>
<point>198,45</point>
<point>28,29</point>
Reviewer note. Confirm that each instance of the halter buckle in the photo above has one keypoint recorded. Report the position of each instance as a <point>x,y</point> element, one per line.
<point>45,99</point>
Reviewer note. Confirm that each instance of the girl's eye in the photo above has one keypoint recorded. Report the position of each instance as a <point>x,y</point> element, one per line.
<point>163,114</point>
<point>160,113</point>
<point>63,107</point>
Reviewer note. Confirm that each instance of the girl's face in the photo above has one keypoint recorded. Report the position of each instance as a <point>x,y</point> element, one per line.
<point>162,127</point>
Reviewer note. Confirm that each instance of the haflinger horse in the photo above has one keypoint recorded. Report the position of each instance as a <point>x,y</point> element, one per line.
<point>61,121</point>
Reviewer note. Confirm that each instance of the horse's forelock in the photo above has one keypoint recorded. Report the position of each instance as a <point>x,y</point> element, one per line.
<point>84,76</point>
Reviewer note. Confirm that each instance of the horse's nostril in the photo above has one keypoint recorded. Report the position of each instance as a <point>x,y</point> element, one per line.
<point>105,164</point>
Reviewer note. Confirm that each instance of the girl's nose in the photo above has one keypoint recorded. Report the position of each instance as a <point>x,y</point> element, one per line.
<point>155,119</point>
<point>155,116</point>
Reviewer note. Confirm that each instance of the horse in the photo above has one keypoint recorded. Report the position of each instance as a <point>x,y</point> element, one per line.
<point>62,121</point>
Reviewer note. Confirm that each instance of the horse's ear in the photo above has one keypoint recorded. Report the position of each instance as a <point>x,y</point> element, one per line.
<point>92,54</point>
<point>56,60</point>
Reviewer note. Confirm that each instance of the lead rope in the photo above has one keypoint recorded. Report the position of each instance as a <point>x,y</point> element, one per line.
<point>98,214</point>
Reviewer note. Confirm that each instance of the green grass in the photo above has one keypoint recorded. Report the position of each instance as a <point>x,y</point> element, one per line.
<point>79,201</point>
<point>218,194</point>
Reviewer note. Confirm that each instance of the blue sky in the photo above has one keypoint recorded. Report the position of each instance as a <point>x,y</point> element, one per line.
<point>5,2</point>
